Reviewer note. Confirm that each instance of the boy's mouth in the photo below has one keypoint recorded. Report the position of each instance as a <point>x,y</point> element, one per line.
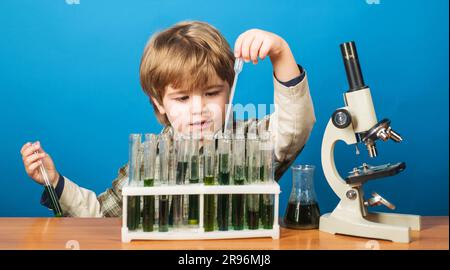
<point>201,124</point>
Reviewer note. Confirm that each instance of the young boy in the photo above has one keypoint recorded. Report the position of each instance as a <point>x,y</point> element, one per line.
<point>187,72</point>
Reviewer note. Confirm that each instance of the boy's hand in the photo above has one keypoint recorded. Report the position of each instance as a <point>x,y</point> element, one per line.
<point>255,43</point>
<point>32,160</point>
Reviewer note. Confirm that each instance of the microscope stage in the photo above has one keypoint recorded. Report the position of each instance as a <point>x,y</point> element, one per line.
<point>367,172</point>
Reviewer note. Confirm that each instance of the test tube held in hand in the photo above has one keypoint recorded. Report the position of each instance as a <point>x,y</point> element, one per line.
<point>50,190</point>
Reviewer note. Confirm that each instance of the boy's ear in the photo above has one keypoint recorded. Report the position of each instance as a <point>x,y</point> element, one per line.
<point>159,106</point>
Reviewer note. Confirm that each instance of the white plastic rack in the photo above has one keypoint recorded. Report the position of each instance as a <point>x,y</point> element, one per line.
<point>199,232</point>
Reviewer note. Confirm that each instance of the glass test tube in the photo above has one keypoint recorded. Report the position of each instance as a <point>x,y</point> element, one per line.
<point>180,165</point>
<point>208,179</point>
<point>148,213</point>
<point>134,169</point>
<point>223,200</point>
<point>194,178</point>
<point>266,176</point>
<point>51,193</point>
<point>164,152</point>
<point>237,217</point>
<point>253,177</point>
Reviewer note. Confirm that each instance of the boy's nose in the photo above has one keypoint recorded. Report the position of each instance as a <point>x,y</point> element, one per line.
<point>197,104</point>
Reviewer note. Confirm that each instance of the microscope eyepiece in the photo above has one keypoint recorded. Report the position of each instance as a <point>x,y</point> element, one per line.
<point>352,67</point>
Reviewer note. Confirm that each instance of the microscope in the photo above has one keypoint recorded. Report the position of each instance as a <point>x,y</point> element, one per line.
<point>357,123</point>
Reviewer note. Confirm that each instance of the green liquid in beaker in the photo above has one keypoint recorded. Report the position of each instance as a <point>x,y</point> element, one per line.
<point>302,216</point>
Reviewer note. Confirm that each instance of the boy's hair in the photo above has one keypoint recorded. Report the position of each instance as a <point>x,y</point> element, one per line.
<point>187,55</point>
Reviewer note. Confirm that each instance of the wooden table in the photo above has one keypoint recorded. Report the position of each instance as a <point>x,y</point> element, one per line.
<point>104,233</point>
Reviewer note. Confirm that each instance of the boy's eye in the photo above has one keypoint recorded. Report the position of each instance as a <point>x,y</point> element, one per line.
<point>214,93</point>
<point>181,99</point>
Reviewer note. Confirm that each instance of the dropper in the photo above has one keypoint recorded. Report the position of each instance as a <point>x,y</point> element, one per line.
<point>238,63</point>
<point>50,191</point>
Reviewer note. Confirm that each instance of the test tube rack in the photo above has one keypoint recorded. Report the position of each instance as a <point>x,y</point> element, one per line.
<point>199,232</point>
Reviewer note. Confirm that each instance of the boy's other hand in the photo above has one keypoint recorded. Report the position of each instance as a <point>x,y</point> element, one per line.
<point>33,160</point>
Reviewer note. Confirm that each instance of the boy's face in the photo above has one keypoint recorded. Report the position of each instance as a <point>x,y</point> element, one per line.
<point>197,111</point>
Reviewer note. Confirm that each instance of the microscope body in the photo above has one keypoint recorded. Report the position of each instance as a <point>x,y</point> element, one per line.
<point>357,123</point>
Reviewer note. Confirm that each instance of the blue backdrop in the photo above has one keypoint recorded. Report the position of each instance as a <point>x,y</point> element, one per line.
<point>69,78</point>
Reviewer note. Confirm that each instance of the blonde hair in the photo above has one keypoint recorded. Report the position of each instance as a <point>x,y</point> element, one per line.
<point>187,55</point>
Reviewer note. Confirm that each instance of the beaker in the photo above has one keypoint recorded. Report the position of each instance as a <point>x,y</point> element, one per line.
<point>302,211</point>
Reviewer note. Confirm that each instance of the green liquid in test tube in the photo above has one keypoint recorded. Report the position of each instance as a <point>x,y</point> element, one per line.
<point>181,165</point>
<point>194,178</point>
<point>51,193</point>
<point>208,179</point>
<point>237,201</point>
<point>134,166</point>
<point>223,200</point>
<point>164,154</point>
<point>266,176</point>
<point>253,177</point>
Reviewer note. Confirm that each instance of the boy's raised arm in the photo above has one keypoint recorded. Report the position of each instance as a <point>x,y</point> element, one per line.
<point>293,118</point>
<point>291,122</point>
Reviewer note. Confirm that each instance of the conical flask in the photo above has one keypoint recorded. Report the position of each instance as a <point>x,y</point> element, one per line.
<point>302,211</point>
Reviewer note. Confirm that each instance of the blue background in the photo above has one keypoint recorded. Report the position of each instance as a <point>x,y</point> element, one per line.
<point>69,78</point>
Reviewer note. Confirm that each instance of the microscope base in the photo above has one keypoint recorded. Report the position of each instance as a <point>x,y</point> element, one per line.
<point>387,226</point>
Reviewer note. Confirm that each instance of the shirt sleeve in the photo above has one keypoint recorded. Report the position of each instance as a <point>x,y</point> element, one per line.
<point>295,80</point>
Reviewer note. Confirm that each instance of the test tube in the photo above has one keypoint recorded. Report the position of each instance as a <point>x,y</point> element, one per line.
<point>209,157</point>
<point>134,169</point>
<point>51,193</point>
<point>253,177</point>
<point>150,147</point>
<point>194,178</point>
<point>267,176</point>
<point>223,200</point>
<point>180,165</point>
<point>164,152</point>
<point>237,217</point>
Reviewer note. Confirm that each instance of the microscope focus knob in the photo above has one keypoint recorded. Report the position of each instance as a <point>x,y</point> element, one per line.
<point>341,118</point>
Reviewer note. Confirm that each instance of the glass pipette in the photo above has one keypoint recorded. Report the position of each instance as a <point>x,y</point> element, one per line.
<point>238,63</point>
